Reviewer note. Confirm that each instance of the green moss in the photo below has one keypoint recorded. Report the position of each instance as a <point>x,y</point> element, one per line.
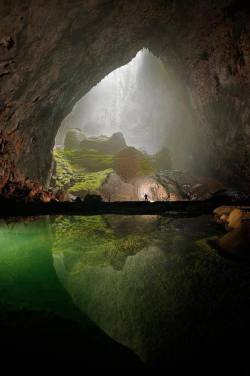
<point>64,170</point>
<point>89,241</point>
<point>81,170</point>
<point>91,181</point>
<point>92,160</point>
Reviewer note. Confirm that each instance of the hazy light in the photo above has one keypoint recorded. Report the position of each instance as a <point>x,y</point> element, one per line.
<point>133,99</point>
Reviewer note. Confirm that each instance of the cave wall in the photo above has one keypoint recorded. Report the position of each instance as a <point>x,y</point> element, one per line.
<point>53,52</point>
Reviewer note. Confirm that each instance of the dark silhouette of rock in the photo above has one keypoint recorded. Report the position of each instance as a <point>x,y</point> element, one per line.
<point>92,199</point>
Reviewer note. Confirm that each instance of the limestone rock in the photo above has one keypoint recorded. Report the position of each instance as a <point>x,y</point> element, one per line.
<point>115,189</point>
<point>130,163</point>
<point>237,221</point>
<point>111,145</point>
<point>73,138</point>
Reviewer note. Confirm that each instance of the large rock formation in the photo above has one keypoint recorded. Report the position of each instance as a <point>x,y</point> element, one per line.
<point>73,138</point>
<point>108,145</point>
<point>130,163</point>
<point>236,242</point>
<point>52,53</point>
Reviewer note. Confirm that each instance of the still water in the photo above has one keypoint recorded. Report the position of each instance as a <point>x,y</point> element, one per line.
<point>151,284</point>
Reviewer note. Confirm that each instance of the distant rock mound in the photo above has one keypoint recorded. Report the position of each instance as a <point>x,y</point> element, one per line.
<point>111,145</point>
<point>73,138</point>
<point>130,163</point>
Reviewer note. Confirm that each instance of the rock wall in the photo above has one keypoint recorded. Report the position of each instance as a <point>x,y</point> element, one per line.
<point>53,52</point>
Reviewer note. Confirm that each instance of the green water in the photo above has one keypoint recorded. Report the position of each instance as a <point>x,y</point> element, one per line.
<point>151,284</point>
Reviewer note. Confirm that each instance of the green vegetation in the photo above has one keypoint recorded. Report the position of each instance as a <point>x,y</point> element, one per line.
<point>64,170</point>
<point>82,170</point>
<point>91,242</point>
<point>91,181</point>
<point>92,160</point>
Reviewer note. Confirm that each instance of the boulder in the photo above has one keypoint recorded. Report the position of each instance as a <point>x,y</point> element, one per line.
<point>237,220</point>
<point>237,242</point>
<point>73,138</point>
<point>130,163</point>
<point>115,189</point>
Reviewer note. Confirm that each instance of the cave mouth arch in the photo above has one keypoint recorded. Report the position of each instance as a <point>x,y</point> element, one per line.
<point>52,64</point>
<point>133,99</point>
<point>140,107</point>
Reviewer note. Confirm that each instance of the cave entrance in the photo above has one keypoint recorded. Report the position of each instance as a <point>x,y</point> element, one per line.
<point>114,140</point>
<point>122,139</point>
<point>133,99</point>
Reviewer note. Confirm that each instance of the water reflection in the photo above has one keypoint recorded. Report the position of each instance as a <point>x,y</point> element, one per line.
<point>153,284</point>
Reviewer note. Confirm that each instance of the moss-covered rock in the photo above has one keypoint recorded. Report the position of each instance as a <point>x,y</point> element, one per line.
<point>130,163</point>
<point>81,171</point>
<point>92,160</point>
<point>89,182</point>
<point>73,138</point>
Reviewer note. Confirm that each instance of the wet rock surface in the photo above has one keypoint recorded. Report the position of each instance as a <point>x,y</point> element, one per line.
<point>236,242</point>
<point>183,186</point>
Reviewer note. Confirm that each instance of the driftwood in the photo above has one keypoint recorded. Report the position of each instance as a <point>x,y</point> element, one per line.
<point>10,208</point>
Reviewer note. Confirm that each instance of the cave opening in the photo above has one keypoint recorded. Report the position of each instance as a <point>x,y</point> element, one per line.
<point>125,184</point>
<point>134,99</point>
<point>122,139</point>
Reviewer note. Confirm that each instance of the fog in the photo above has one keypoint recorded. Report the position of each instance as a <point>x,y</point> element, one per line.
<point>134,99</point>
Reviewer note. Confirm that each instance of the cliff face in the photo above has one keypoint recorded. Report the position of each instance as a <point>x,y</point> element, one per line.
<point>54,52</point>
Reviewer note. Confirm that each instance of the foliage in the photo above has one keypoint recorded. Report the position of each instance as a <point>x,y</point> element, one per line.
<point>90,159</point>
<point>81,170</point>
<point>91,181</point>
<point>64,170</point>
<point>91,242</point>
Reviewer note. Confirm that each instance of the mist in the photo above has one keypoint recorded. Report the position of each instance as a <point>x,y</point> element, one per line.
<point>134,99</point>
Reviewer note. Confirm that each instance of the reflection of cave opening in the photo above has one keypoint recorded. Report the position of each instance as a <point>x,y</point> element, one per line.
<point>124,139</point>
